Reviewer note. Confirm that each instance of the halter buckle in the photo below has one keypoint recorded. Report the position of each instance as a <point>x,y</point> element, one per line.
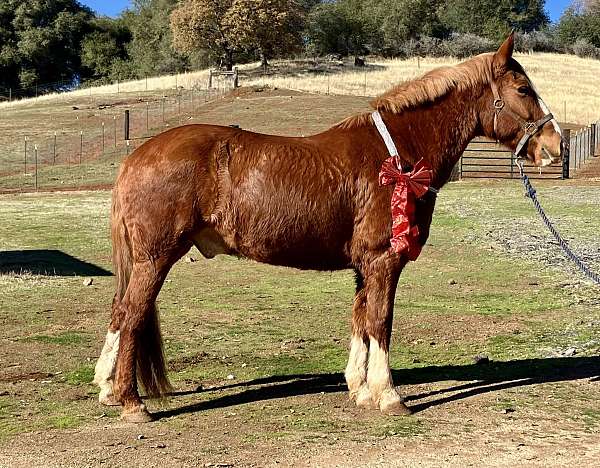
<point>530,128</point>
<point>498,104</point>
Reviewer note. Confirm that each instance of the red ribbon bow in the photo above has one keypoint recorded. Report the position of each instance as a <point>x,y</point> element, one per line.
<point>408,187</point>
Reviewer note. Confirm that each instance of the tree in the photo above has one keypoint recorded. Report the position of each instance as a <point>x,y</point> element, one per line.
<point>344,27</point>
<point>199,24</point>
<point>401,20</point>
<point>581,21</point>
<point>40,40</point>
<point>492,19</point>
<point>103,50</point>
<point>269,26</point>
<point>151,48</point>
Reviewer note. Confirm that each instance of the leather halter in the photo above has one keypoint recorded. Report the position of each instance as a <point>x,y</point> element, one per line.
<point>529,128</point>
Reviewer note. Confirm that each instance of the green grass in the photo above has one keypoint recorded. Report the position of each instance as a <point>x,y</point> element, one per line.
<point>591,418</point>
<point>402,427</point>
<point>64,339</point>
<point>80,376</point>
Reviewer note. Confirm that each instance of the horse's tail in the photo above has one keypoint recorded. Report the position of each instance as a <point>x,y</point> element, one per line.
<point>121,245</point>
<point>151,364</point>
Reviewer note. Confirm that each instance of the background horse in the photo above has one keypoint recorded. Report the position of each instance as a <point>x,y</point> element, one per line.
<point>312,203</point>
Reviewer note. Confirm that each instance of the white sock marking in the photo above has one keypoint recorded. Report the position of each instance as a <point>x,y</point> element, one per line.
<point>356,370</point>
<point>379,376</point>
<point>107,362</point>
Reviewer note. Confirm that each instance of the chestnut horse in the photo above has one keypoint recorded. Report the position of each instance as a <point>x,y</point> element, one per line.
<point>312,203</point>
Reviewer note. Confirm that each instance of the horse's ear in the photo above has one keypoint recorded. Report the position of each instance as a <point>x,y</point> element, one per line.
<point>504,54</point>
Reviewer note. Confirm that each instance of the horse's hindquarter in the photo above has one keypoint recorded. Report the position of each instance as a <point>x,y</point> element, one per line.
<point>292,201</point>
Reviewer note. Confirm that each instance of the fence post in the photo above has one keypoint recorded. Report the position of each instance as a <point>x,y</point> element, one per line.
<point>209,79</point>
<point>236,78</point>
<point>577,148</point>
<point>512,165</point>
<point>35,152</point>
<point>115,122</point>
<point>54,150</point>
<point>566,153</point>
<point>593,140</point>
<point>126,126</point>
<point>147,117</point>
<point>25,158</point>
<point>179,107</point>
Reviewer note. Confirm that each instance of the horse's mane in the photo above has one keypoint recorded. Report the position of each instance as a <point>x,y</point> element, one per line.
<point>427,88</point>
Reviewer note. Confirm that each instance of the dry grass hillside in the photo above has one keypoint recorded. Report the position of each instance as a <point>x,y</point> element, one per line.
<point>568,84</point>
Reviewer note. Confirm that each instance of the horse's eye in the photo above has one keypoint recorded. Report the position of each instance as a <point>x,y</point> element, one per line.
<point>524,90</point>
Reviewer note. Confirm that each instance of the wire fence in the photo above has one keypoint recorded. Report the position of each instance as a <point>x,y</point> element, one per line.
<point>85,147</point>
<point>82,145</point>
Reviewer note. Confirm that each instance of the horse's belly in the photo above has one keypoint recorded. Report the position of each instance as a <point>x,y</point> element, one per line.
<point>307,246</point>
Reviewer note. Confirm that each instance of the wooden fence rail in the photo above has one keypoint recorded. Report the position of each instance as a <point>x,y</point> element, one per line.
<point>486,159</point>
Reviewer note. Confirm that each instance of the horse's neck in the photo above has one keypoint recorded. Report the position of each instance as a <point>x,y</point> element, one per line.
<point>438,132</point>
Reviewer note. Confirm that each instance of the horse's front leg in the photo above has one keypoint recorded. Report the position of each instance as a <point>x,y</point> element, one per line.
<point>356,370</point>
<point>381,276</point>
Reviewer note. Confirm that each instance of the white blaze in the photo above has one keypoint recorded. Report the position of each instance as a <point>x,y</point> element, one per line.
<point>545,108</point>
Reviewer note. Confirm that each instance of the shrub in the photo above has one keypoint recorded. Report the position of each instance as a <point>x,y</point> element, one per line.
<point>584,48</point>
<point>538,41</point>
<point>424,47</point>
<point>467,45</point>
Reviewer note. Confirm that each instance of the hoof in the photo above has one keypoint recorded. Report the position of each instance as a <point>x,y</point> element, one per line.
<point>137,414</point>
<point>108,400</point>
<point>392,405</point>
<point>363,397</point>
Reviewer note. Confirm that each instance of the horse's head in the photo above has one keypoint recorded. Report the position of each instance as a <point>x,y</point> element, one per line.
<point>515,115</point>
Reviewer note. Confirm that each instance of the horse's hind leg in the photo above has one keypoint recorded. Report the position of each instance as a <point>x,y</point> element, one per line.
<point>140,338</point>
<point>381,276</point>
<point>106,365</point>
<point>356,370</point>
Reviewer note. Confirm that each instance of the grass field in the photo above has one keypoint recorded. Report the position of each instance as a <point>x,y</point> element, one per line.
<point>282,334</point>
<point>256,352</point>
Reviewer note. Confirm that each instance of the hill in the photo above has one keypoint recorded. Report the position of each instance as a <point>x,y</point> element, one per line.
<point>568,84</point>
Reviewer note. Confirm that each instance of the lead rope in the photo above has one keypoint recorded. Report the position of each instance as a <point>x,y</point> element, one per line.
<point>530,192</point>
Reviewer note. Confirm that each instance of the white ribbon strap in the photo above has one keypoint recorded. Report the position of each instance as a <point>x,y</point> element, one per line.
<point>383,131</point>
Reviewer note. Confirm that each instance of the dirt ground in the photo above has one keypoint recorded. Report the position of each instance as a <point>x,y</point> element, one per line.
<point>256,352</point>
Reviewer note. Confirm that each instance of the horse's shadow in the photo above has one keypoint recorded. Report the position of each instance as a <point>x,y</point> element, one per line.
<point>47,262</point>
<point>480,378</point>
